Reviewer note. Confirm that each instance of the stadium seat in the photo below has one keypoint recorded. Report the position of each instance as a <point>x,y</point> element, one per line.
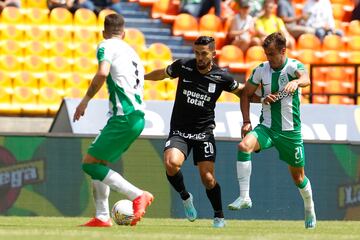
<point>10,63</point>
<point>6,81</point>
<point>155,64</point>
<point>13,32</point>
<point>60,65</point>
<point>333,42</point>
<point>36,33</point>
<point>309,41</point>
<point>36,48</point>
<point>230,54</point>
<point>61,34</point>
<point>77,80</point>
<point>61,17</point>
<point>320,99</point>
<point>25,98</point>
<point>74,92</point>
<point>354,57</point>
<point>159,8</point>
<point>308,56</point>
<point>85,18</point>
<point>134,36</point>
<point>353,43</point>
<point>159,51</point>
<point>35,64</point>
<point>354,28</point>
<point>85,65</point>
<point>171,86</point>
<point>255,54</point>
<point>49,100</point>
<point>26,79</point>
<point>84,49</point>
<point>332,56</point>
<point>11,47</point>
<point>341,100</point>
<point>37,16</point>
<point>186,25</point>
<point>60,49</point>
<point>85,35</point>
<point>101,17</point>
<point>52,80</point>
<point>211,24</point>
<point>12,15</point>
<point>6,106</point>
<point>141,51</point>
<point>338,11</point>
<point>36,4</point>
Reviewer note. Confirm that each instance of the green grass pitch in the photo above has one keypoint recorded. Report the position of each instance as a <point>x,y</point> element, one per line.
<point>39,228</point>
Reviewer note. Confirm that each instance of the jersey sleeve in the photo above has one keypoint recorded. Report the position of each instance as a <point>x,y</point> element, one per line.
<point>255,77</point>
<point>296,66</point>
<point>173,70</point>
<point>231,84</point>
<point>104,53</point>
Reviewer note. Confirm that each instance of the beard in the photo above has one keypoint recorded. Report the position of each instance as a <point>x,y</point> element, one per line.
<point>202,65</point>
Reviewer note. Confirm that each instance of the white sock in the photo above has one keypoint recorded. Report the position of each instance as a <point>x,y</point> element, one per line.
<point>119,184</point>
<point>101,194</point>
<point>306,194</point>
<point>243,175</point>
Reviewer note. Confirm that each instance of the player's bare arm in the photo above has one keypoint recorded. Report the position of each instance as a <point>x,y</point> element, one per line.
<point>95,85</point>
<point>156,75</point>
<point>248,92</point>
<point>238,91</point>
<point>302,80</point>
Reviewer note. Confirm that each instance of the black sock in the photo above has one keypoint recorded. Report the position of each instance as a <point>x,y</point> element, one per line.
<point>214,196</point>
<point>177,181</point>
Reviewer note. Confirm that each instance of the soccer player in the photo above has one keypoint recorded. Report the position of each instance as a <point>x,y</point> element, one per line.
<point>280,79</point>
<point>121,67</point>
<point>200,84</point>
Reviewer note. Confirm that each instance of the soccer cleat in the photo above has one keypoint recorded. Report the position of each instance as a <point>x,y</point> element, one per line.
<point>190,211</point>
<point>95,222</point>
<point>219,222</point>
<point>310,219</point>
<point>240,203</point>
<point>139,205</point>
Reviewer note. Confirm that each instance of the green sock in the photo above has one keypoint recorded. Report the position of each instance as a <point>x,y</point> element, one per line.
<point>243,156</point>
<point>96,171</point>
<point>303,183</point>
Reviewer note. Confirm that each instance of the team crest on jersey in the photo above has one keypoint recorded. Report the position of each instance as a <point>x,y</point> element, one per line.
<point>212,87</point>
<point>282,80</point>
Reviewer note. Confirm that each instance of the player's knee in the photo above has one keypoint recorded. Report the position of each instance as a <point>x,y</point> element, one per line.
<point>243,146</point>
<point>208,180</point>
<point>171,166</point>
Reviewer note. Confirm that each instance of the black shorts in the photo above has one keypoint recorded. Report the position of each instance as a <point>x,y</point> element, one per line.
<point>202,144</point>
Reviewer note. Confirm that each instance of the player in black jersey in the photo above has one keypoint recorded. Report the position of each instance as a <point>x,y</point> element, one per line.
<point>200,84</point>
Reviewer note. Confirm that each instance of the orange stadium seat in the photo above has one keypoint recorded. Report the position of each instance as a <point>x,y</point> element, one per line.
<point>171,86</point>
<point>333,42</point>
<point>85,35</point>
<point>12,15</point>
<point>255,54</point>
<point>10,63</point>
<point>354,57</point>
<point>230,54</point>
<point>85,18</point>
<point>36,48</point>
<point>6,106</point>
<point>25,98</point>
<point>49,100</point>
<point>155,64</point>
<point>11,47</point>
<point>332,56</point>
<point>37,16</point>
<point>159,8</point>
<point>34,63</point>
<point>101,17</point>
<point>141,51</point>
<point>159,51</point>
<point>354,28</point>
<point>353,43</point>
<point>36,33</point>
<point>6,81</point>
<point>341,100</point>
<point>12,32</point>
<point>85,65</point>
<point>211,25</point>
<point>84,49</point>
<point>186,25</point>
<point>60,49</point>
<point>26,79</point>
<point>308,56</point>
<point>321,99</point>
<point>74,92</point>
<point>36,4</point>
<point>309,41</point>
<point>134,36</point>
<point>338,11</point>
<point>60,34</point>
<point>61,17</point>
<point>77,80</point>
<point>60,65</point>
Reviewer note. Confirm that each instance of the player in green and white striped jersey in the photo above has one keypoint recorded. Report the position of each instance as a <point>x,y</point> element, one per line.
<point>121,68</point>
<point>280,80</point>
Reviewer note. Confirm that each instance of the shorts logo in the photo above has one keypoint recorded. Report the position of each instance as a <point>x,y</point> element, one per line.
<point>212,87</point>
<point>196,136</point>
<point>167,143</point>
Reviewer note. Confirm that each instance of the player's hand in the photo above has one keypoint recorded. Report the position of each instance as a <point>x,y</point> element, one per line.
<point>80,111</point>
<point>245,129</point>
<point>291,86</point>
<point>270,98</point>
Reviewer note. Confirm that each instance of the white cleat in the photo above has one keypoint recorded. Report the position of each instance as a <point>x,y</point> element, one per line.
<point>310,219</point>
<point>240,203</point>
<point>190,211</point>
<point>219,222</point>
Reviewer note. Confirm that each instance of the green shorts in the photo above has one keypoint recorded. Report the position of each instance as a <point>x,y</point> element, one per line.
<point>117,136</point>
<point>288,143</point>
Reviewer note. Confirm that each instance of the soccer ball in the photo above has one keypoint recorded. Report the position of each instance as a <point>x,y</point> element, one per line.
<point>122,212</point>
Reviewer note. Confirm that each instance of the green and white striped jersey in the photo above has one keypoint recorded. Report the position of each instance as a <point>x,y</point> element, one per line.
<point>125,82</point>
<point>284,114</point>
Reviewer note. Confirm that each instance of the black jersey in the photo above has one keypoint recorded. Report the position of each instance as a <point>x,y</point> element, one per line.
<point>196,95</point>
